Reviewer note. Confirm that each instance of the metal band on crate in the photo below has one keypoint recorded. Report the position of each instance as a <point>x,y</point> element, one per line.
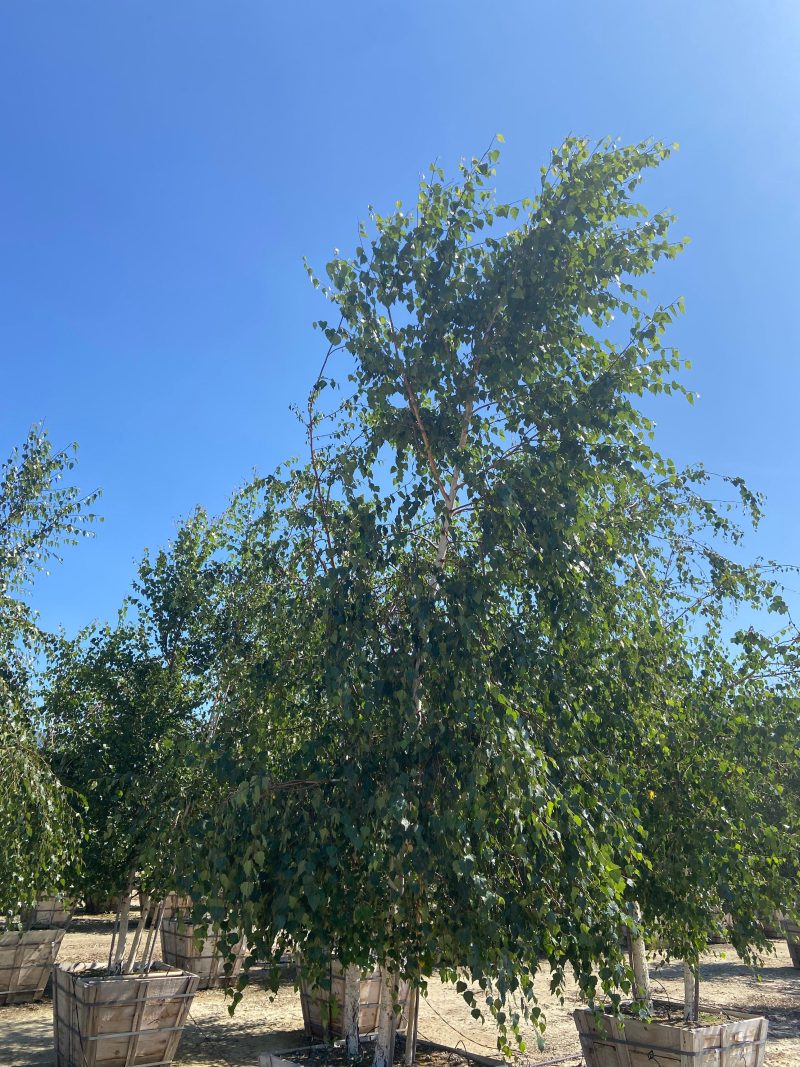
<point>123,1033</point>
<point>164,997</point>
<point>712,1049</point>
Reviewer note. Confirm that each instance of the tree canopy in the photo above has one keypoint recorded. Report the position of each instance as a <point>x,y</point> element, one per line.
<point>469,578</point>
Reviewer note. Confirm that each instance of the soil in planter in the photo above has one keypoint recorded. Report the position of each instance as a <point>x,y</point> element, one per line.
<point>335,1056</point>
<point>672,1015</point>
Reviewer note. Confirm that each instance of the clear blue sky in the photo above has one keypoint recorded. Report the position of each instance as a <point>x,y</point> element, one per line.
<point>166,165</point>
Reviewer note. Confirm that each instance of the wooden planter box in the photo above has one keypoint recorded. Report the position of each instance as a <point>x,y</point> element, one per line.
<point>792,931</point>
<point>101,905</point>
<point>179,949</point>
<point>49,914</point>
<point>129,1020</point>
<point>26,959</point>
<point>740,1041</point>
<point>322,1009</point>
<point>176,906</point>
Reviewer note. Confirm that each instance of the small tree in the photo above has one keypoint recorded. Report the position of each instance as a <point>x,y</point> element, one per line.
<point>718,801</point>
<point>38,516</point>
<point>127,707</point>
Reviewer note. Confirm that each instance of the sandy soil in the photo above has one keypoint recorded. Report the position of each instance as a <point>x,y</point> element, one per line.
<point>266,1024</point>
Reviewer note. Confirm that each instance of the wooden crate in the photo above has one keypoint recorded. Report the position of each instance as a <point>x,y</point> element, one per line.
<point>179,949</point>
<point>129,1020</point>
<point>792,931</point>
<point>176,906</point>
<point>50,913</point>
<point>26,959</point>
<point>740,1041</point>
<point>322,1009</point>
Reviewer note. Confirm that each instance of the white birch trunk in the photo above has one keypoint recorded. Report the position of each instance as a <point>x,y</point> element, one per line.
<point>411,1026</point>
<point>351,1009</point>
<point>387,1021</point>
<point>122,937</point>
<point>641,973</point>
<point>144,911</point>
<point>691,992</point>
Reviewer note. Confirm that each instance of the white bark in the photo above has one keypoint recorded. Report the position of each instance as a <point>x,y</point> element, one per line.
<point>641,973</point>
<point>122,936</point>
<point>411,1026</point>
<point>691,1011</point>
<point>144,912</point>
<point>691,993</point>
<point>351,1009</point>
<point>387,1021</point>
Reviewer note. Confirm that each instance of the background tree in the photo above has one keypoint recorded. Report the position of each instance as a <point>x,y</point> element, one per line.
<point>38,516</point>
<point>126,707</point>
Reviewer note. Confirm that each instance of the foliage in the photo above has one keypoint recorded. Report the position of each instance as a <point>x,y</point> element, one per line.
<point>462,573</point>
<point>126,705</point>
<point>38,515</point>
<point>719,799</point>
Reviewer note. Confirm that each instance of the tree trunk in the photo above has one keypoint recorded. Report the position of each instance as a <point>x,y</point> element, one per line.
<point>691,993</point>
<point>641,973</point>
<point>387,1020</point>
<point>144,912</point>
<point>351,1010</point>
<point>122,937</point>
<point>411,1026</point>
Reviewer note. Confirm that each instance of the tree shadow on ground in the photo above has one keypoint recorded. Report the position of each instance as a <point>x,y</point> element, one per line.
<point>224,1041</point>
<point>27,1044</point>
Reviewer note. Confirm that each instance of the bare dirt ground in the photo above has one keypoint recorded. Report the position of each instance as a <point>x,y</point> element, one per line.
<point>263,1024</point>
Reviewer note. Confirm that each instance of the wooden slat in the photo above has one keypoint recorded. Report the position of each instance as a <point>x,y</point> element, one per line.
<point>121,1021</point>
<point>133,1037</point>
<point>179,949</point>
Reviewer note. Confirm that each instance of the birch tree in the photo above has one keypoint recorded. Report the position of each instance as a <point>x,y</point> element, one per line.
<point>461,554</point>
<point>40,513</point>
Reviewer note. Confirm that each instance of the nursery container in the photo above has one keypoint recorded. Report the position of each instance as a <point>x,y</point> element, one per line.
<point>26,959</point>
<point>739,1041</point>
<point>175,906</point>
<point>180,949</point>
<point>792,931</point>
<point>322,1009</point>
<point>127,1020</point>
<point>50,913</point>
